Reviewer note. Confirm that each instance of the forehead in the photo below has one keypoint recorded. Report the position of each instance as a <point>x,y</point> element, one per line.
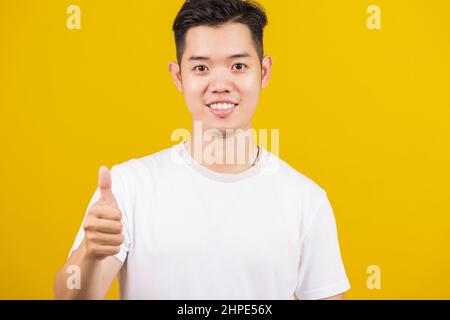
<point>221,41</point>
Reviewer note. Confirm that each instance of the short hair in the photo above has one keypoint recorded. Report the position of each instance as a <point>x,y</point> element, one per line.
<point>216,13</point>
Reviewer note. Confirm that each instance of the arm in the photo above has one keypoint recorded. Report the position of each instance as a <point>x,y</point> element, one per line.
<point>95,255</point>
<point>96,276</point>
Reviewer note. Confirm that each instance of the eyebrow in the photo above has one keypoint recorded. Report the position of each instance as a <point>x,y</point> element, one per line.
<point>234,56</point>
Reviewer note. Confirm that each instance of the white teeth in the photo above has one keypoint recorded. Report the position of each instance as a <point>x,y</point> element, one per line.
<point>222,106</point>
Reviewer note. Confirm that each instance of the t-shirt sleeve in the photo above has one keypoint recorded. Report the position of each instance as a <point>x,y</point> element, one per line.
<point>321,272</point>
<point>119,191</point>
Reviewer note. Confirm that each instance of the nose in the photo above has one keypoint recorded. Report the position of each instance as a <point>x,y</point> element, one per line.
<point>221,83</point>
<point>221,89</point>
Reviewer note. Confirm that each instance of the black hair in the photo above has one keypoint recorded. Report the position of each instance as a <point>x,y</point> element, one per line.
<point>216,13</point>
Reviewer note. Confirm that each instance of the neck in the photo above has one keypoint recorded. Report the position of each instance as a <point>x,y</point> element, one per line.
<point>224,153</point>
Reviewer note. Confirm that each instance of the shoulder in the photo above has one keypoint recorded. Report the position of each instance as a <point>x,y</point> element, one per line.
<point>295,185</point>
<point>136,171</point>
<point>293,178</point>
<point>308,196</point>
<point>157,160</point>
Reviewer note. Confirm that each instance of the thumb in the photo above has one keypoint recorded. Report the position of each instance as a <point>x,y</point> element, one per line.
<point>104,183</point>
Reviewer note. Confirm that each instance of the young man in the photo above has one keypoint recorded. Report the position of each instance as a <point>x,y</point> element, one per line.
<point>174,225</point>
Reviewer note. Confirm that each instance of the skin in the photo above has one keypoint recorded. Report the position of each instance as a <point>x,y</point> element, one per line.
<point>221,63</point>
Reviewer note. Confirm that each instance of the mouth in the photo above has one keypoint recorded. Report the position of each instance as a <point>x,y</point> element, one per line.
<point>222,109</point>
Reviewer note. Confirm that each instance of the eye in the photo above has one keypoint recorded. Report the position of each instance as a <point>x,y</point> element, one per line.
<point>200,68</point>
<point>239,66</point>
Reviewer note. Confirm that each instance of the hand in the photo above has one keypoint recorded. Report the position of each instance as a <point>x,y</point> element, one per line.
<point>102,226</point>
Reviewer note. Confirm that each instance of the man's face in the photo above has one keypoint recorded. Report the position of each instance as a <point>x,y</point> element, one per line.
<point>220,68</point>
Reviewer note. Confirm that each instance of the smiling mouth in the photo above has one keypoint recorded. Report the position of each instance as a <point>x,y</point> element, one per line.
<point>222,110</point>
<point>222,106</point>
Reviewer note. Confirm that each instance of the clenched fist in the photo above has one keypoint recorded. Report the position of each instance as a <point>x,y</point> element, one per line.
<point>102,226</point>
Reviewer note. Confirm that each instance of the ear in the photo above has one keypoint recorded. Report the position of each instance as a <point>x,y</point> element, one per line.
<point>265,71</point>
<point>175,73</point>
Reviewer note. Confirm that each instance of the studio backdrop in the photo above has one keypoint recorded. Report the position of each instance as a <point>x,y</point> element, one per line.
<point>360,94</point>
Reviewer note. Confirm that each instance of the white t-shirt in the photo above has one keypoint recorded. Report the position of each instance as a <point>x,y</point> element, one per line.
<point>192,233</point>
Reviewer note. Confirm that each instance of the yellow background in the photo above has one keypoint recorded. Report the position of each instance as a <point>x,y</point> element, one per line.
<point>365,114</point>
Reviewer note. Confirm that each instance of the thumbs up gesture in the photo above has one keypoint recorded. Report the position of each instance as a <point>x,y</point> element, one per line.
<point>102,226</point>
